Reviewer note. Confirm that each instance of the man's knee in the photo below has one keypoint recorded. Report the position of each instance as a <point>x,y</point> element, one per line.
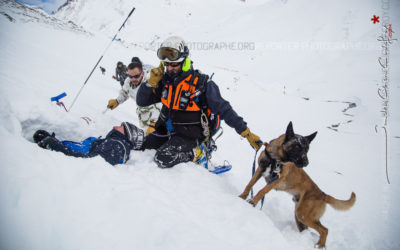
<point>165,159</point>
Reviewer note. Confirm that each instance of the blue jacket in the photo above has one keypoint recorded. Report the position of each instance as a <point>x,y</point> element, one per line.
<point>215,102</point>
<point>114,148</point>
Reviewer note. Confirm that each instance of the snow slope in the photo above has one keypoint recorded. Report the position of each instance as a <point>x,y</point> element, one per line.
<point>305,62</point>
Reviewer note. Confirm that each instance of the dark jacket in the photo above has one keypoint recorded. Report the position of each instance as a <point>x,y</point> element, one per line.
<point>115,148</point>
<point>121,74</point>
<point>215,102</point>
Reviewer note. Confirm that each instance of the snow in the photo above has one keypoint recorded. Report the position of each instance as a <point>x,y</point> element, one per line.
<point>307,61</point>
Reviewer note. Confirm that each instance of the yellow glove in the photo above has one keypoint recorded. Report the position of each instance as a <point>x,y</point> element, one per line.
<point>155,75</point>
<point>112,104</point>
<point>253,139</point>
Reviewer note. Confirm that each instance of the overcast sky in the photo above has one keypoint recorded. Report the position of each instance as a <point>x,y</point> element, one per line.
<point>47,5</point>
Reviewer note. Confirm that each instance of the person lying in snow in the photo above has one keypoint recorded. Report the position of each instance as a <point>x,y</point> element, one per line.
<point>114,148</point>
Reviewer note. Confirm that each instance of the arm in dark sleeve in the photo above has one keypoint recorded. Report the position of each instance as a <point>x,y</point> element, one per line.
<point>219,105</point>
<point>145,95</point>
<point>117,74</point>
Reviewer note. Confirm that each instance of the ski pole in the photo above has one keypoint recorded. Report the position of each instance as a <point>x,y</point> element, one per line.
<point>101,57</point>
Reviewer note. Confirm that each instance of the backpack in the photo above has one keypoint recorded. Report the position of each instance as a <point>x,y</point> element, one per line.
<point>213,120</point>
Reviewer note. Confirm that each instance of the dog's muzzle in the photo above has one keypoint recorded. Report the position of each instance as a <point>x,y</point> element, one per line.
<point>301,162</point>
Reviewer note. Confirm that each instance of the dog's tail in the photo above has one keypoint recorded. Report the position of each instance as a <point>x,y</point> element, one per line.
<point>340,204</point>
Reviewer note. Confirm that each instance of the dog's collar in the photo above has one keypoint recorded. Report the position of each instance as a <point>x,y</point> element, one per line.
<point>266,151</point>
<point>275,164</point>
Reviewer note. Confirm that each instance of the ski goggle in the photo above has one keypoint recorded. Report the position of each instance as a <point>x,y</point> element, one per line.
<point>136,76</point>
<point>172,64</point>
<point>170,53</point>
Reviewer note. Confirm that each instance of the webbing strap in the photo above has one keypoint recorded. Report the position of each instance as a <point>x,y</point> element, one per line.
<point>253,171</point>
<point>252,174</point>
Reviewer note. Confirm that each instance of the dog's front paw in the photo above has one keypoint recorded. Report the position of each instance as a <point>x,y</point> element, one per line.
<point>251,201</point>
<point>319,247</point>
<point>243,196</point>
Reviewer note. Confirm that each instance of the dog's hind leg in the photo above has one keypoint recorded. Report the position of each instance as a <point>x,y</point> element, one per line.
<point>300,225</point>
<point>308,212</point>
<point>323,233</point>
<point>253,181</point>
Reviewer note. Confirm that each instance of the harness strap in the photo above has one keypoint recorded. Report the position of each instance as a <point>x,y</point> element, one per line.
<point>262,200</point>
<point>254,170</point>
<point>254,164</point>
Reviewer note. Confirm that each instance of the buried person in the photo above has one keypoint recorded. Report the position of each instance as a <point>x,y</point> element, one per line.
<point>114,148</point>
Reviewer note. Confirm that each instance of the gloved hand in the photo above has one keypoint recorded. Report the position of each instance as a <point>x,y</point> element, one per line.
<point>40,135</point>
<point>151,128</point>
<point>155,75</point>
<point>253,139</point>
<point>112,104</point>
<point>44,138</point>
<point>48,142</point>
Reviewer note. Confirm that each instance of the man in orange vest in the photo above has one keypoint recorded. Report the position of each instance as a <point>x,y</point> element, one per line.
<point>186,94</point>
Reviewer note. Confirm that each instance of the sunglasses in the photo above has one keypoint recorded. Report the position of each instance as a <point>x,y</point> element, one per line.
<point>172,64</point>
<point>136,76</point>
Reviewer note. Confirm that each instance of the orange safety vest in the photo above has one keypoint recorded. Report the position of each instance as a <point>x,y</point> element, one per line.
<point>180,98</point>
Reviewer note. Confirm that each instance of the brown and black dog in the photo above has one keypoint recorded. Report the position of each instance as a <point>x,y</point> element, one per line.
<point>283,160</point>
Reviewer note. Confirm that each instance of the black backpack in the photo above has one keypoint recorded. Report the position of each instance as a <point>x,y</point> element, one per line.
<point>214,121</point>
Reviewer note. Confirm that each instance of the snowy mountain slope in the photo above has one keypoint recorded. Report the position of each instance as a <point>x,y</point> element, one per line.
<point>17,12</point>
<point>50,201</point>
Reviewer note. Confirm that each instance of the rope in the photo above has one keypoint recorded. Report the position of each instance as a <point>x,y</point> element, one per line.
<point>253,172</point>
<point>62,104</point>
<point>158,135</point>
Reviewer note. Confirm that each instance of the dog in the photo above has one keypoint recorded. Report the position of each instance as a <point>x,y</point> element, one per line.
<point>281,163</point>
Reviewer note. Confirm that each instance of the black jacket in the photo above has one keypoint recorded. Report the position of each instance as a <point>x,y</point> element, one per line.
<point>121,73</point>
<point>115,148</point>
<point>215,102</point>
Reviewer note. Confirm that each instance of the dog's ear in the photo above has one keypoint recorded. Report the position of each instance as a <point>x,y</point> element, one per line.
<point>311,137</point>
<point>289,132</point>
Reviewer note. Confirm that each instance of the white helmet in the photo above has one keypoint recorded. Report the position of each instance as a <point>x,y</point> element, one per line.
<point>173,49</point>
